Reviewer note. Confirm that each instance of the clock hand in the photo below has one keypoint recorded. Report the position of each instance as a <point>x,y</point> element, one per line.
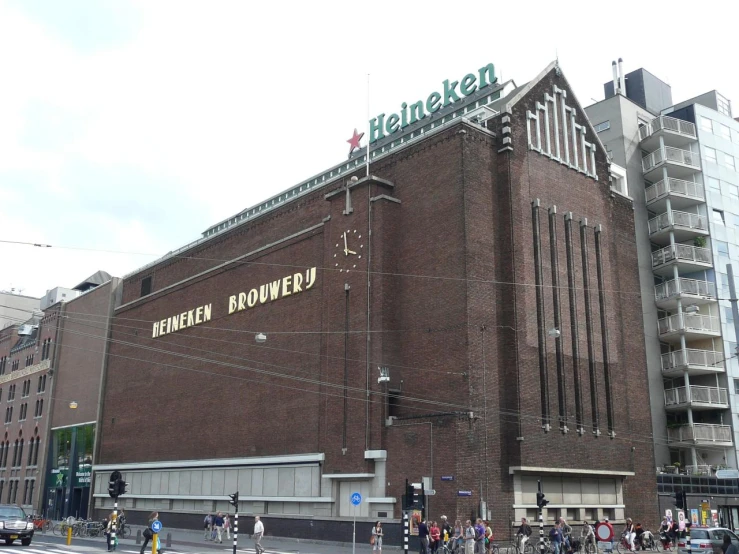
<point>345,245</point>
<point>351,252</point>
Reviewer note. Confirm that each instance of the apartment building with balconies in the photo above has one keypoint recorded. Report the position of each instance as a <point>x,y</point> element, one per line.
<point>680,172</point>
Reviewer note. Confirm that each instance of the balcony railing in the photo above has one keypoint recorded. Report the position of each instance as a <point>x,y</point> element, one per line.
<point>696,323</point>
<point>699,432</point>
<point>669,124</point>
<point>701,469</point>
<point>697,395</point>
<point>683,253</point>
<point>684,286</point>
<point>671,185</point>
<point>675,155</point>
<point>678,219</point>
<point>679,359</point>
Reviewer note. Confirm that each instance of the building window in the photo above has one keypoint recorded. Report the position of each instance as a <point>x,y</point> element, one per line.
<point>39,407</point>
<point>722,247</point>
<point>724,131</point>
<point>718,217</point>
<point>714,183</point>
<point>22,415</point>
<point>602,126</point>
<point>20,454</point>
<point>728,161</point>
<point>706,124</point>
<point>729,314</point>
<point>5,455</point>
<point>31,485</point>
<point>731,190</point>
<point>14,488</point>
<point>30,453</point>
<point>146,286</point>
<point>3,360</point>
<point>710,154</point>
<point>35,451</point>
<point>723,105</point>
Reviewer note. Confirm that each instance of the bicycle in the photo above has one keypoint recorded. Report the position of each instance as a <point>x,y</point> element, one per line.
<point>587,545</point>
<point>528,547</point>
<point>61,528</point>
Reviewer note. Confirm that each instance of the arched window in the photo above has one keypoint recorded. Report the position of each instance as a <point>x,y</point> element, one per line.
<point>20,453</point>
<point>30,453</point>
<point>35,451</point>
<point>5,455</point>
<point>15,453</point>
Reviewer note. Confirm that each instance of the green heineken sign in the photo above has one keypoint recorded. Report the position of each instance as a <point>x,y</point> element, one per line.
<point>453,91</point>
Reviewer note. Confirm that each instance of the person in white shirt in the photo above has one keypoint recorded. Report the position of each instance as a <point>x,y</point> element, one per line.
<point>258,532</point>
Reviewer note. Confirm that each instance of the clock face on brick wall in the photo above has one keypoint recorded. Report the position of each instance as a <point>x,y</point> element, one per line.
<point>349,251</point>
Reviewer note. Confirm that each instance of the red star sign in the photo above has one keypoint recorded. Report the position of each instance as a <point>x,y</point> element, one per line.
<point>354,142</point>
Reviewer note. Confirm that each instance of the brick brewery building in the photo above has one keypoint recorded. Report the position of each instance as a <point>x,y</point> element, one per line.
<point>486,224</point>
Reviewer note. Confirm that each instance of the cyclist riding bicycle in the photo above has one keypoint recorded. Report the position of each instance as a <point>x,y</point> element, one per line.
<point>587,534</point>
<point>524,532</point>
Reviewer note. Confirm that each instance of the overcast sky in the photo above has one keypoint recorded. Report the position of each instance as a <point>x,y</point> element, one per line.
<point>133,126</point>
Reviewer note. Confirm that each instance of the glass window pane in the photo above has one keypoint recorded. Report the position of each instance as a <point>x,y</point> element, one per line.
<point>728,160</point>
<point>731,190</point>
<point>706,124</point>
<point>710,154</point>
<point>722,247</point>
<point>725,131</point>
<point>718,217</point>
<point>714,183</point>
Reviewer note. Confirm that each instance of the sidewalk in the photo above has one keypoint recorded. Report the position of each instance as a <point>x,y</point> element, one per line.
<point>191,541</point>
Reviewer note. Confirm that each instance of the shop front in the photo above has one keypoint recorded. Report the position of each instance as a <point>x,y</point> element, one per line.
<point>69,472</point>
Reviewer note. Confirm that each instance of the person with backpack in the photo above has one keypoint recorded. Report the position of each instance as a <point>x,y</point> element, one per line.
<point>469,538</point>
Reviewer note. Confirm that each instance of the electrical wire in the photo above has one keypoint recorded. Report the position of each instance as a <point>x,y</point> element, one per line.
<point>332,269</point>
<point>621,434</point>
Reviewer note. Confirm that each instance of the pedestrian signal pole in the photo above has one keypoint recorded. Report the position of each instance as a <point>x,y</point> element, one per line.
<point>113,490</point>
<point>235,503</point>
<point>541,502</point>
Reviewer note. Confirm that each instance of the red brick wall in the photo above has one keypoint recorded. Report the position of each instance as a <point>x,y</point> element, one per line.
<point>445,315</point>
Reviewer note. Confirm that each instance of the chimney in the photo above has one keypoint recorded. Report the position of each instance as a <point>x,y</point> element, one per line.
<point>622,79</point>
<point>615,78</point>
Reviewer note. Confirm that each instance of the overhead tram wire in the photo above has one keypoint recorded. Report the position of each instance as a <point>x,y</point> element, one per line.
<point>621,434</point>
<point>160,340</point>
<point>332,269</point>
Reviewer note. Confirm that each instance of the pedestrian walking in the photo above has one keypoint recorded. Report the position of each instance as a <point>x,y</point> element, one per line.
<point>149,533</point>
<point>258,533</point>
<point>218,526</point>
<point>377,535</point>
<point>227,526</point>
<point>109,530</point>
<point>207,522</point>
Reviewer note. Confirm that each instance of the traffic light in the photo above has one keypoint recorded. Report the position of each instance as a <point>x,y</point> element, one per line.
<point>234,500</point>
<point>540,500</point>
<point>410,491</point>
<point>113,483</point>
<point>121,487</point>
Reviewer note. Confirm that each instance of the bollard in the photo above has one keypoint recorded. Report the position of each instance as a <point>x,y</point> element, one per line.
<point>154,540</point>
<point>168,544</point>
<point>138,536</point>
<point>69,536</point>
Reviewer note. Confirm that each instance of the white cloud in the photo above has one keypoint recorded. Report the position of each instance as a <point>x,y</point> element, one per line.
<point>212,109</point>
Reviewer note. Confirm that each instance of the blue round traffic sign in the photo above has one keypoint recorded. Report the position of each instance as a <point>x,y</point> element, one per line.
<point>156,526</point>
<point>356,498</point>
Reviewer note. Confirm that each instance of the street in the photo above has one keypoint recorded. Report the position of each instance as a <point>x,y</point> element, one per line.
<point>183,542</point>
